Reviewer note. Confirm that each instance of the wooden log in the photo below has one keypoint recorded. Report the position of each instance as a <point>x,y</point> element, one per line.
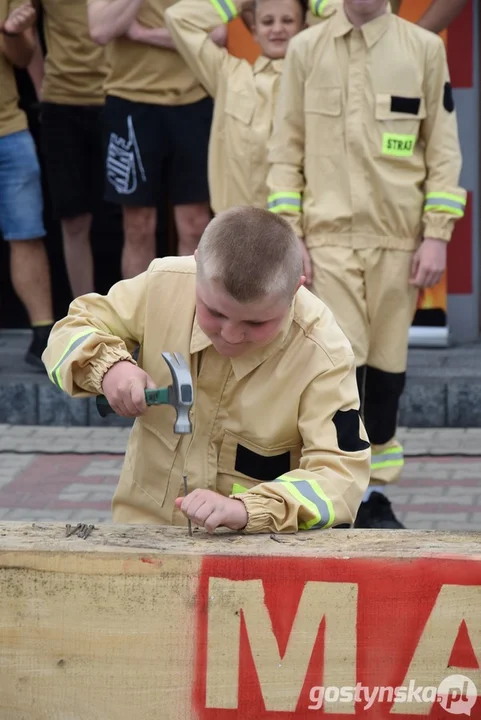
<point>137,623</point>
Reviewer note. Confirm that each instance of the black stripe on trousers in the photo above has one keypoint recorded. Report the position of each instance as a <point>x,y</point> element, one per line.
<point>361,379</point>
<point>380,393</point>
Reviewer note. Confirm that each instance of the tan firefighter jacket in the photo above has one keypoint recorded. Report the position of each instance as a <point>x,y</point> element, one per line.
<point>365,150</point>
<point>278,427</point>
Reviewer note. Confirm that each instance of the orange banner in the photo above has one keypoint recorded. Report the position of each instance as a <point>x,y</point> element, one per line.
<point>240,41</point>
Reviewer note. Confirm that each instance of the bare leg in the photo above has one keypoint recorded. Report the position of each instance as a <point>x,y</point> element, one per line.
<point>139,240</point>
<point>30,273</point>
<point>191,221</point>
<point>78,254</point>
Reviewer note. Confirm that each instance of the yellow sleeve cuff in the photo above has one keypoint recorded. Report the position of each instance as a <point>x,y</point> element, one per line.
<point>226,8</point>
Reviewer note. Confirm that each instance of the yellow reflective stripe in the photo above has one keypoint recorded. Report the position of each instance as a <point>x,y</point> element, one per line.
<point>284,208</point>
<point>445,202</point>
<point>444,208</point>
<point>236,488</point>
<point>398,145</point>
<point>459,198</point>
<point>390,451</point>
<point>391,457</point>
<point>286,194</point>
<point>387,464</point>
<point>308,493</point>
<point>307,503</point>
<point>73,344</point>
<point>317,6</point>
<point>284,202</point>
<point>226,9</point>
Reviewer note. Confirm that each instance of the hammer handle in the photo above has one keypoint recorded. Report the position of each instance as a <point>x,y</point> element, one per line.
<point>159,396</point>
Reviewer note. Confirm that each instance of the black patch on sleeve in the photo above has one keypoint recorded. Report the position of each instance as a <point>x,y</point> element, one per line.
<point>260,467</point>
<point>448,99</point>
<point>410,106</point>
<point>347,427</point>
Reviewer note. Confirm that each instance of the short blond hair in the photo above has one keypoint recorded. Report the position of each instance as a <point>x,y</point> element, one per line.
<point>252,253</point>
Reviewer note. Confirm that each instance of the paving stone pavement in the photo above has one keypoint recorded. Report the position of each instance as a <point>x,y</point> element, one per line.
<point>70,474</point>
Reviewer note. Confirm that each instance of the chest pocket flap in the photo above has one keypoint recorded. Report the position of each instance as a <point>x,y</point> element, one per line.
<point>400,107</point>
<point>323,101</point>
<point>246,459</point>
<point>240,106</point>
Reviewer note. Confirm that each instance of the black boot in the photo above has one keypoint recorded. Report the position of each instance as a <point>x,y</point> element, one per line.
<point>376,512</point>
<point>39,342</point>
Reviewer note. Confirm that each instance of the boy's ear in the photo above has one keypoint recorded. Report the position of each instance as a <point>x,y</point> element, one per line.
<point>302,282</point>
<point>195,254</point>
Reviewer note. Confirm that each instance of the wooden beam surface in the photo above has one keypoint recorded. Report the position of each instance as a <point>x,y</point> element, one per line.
<point>109,538</point>
<point>139,622</point>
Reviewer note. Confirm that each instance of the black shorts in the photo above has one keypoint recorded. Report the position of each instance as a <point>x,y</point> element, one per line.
<point>71,141</point>
<point>155,149</point>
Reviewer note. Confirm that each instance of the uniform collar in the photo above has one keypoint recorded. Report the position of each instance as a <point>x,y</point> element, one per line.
<point>371,31</point>
<point>245,364</point>
<point>199,340</point>
<point>263,63</point>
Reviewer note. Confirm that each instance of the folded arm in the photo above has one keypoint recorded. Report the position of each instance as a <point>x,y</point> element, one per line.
<point>199,30</point>
<point>109,19</point>
<point>17,35</point>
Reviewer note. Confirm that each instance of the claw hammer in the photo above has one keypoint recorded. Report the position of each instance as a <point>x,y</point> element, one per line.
<point>180,395</point>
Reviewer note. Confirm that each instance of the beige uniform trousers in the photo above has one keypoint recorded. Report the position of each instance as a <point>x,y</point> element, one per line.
<point>369,293</point>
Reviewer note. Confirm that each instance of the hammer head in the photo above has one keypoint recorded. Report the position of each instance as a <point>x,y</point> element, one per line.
<point>181,391</point>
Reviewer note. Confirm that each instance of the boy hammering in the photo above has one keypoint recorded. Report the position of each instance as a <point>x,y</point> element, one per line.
<point>277,442</point>
<point>365,164</point>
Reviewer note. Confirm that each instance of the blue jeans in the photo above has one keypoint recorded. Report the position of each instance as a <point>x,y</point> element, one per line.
<point>21,200</point>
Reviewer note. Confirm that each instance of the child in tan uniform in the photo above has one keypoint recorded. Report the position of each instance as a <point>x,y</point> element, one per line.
<point>244,94</point>
<point>277,444</point>
<point>365,164</point>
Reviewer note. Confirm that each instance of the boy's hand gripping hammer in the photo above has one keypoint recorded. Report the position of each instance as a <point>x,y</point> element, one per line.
<point>180,394</point>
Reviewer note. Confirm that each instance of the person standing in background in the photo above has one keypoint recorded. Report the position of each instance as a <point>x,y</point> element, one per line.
<point>375,208</point>
<point>21,202</point>
<point>157,125</point>
<point>70,85</point>
<point>244,94</point>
